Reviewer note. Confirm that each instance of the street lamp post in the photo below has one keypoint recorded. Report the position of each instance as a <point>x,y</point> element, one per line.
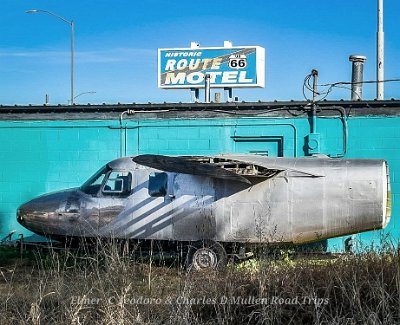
<point>71,23</point>
<point>85,93</point>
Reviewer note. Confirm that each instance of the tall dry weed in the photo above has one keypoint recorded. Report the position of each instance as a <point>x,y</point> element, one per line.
<point>108,284</point>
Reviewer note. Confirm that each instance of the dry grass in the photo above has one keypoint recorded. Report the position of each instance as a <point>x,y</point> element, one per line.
<point>107,287</point>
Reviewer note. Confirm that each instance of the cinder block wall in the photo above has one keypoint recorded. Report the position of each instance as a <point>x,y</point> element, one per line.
<point>42,156</point>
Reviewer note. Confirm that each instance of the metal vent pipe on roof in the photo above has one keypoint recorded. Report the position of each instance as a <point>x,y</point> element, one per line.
<point>357,76</point>
<point>207,88</point>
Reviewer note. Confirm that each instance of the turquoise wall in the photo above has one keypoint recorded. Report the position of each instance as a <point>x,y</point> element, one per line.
<point>42,156</point>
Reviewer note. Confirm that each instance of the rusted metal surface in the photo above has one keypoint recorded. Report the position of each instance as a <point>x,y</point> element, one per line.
<point>283,200</point>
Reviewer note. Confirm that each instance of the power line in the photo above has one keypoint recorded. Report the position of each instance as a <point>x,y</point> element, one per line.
<point>359,82</point>
<point>339,84</point>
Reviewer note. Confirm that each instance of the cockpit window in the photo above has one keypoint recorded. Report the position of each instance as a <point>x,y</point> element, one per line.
<point>93,184</point>
<point>118,183</point>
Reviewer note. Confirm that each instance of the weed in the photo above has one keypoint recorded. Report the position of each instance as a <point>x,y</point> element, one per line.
<point>108,285</point>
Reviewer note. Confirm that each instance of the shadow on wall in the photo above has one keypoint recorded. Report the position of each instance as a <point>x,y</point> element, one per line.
<point>3,233</point>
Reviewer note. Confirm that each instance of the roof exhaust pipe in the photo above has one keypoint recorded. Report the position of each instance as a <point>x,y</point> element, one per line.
<point>357,76</point>
<point>207,90</point>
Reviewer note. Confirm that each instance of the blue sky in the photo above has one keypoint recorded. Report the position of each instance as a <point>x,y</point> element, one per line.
<point>116,45</point>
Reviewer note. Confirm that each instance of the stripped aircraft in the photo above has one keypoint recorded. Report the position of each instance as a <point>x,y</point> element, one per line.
<point>218,205</point>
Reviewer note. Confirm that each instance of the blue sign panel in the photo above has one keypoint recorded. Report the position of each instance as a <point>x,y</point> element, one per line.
<point>227,66</point>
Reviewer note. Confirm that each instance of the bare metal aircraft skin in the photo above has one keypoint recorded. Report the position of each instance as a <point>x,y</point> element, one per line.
<point>226,198</point>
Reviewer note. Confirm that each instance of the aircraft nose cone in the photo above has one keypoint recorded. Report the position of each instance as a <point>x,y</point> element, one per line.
<point>41,215</point>
<point>32,216</point>
<point>22,214</point>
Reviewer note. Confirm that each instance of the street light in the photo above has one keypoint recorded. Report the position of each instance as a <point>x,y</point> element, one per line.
<point>71,23</point>
<point>85,93</point>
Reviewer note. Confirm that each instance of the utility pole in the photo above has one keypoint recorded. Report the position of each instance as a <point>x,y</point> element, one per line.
<point>380,54</point>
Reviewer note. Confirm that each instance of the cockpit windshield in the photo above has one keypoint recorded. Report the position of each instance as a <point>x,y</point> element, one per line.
<point>108,182</point>
<point>93,184</point>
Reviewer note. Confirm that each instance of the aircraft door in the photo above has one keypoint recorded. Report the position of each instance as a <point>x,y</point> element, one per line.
<point>193,214</point>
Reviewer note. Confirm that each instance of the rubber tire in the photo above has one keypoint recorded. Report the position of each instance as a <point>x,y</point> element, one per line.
<point>215,247</point>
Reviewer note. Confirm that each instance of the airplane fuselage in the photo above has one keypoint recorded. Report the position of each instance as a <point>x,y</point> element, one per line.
<point>303,200</point>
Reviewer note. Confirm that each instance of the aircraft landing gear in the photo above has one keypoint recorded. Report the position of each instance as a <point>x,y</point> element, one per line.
<point>206,255</point>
